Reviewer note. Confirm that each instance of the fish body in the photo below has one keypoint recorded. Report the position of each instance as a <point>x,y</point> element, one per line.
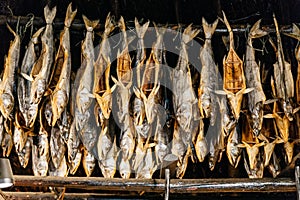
<point>201,144</point>
<point>42,68</point>
<point>74,150</point>
<point>108,165</point>
<point>256,98</point>
<point>40,154</point>
<point>209,75</point>
<point>57,147</point>
<point>7,84</point>
<point>102,89</point>
<point>62,63</point>
<point>233,151</point>
<point>25,153</point>
<point>24,82</point>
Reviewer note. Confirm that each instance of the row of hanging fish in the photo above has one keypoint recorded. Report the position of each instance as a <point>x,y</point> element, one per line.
<point>61,120</point>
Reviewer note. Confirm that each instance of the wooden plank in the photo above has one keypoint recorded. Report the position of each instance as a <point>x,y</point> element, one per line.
<point>227,185</point>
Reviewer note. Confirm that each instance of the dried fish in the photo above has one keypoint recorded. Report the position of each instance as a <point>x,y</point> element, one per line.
<point>62,69</point>
<point>42,68</point>
<point>7,83</point>
<point>102,89</point>
<point>124,71</point>
<point>257,98</point>
<point>84,95</point>
<point>57,147</point>
<point>24,81</point>
<point>201,144</point>
<point>209,75</point>
<point>284,82</point>
<point>74,149</point>
<point>7,141</point>
<point>234,81</point>
<point>40,154</point>
<point>88,162</point>
<point>25,153</point>
<point>233,150</point>
<point>296,34</point>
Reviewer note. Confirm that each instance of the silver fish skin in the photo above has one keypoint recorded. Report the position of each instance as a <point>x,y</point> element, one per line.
<point>208,76</point>
<point>11,64</point>
<point>25,153</point>
<point>57,147</point>
<point>45,61</point>
<point>24,80</point>
<point>40,155</point>
<point>7,141</point>
<point>256,98</point>
<point>88,162</point>
<point>233,151</point>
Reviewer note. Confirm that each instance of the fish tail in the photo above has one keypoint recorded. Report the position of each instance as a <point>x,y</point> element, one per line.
<point>90,24</point>
<point>209,29</point>
<point>256,32</point>
<point>49,14</point>
<point>35,36</point>
<point>189,33</point>
<point>141,30</point>
<point>70,15</point>
<point>159,30</point>
<point>109,25</point>
<point>121,24</point>
<point>229,30</point>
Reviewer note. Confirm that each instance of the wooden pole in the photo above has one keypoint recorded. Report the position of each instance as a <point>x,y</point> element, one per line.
<point>226,185</point>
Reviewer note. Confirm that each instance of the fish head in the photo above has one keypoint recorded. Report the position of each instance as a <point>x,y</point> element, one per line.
<point>125,169</point>
<point>201,149</point>
<point>127,144</point>
<point>184,115</point>
<point>108,167</point>
<point>59,102</point>
<point>31,115</point>
<point>7,105</point>
<point>89,163</point>
<point>253,152</point>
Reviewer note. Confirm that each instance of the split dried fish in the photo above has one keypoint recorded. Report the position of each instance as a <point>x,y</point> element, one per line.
<point>42,68</point>
<point>256,98</point>
<point>209,75</point>
<point>234,81</point>
<point>7,84</point>
<point>62,69</point>
<point>24,81</point>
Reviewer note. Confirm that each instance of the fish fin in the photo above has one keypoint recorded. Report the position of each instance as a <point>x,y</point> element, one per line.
<point>256,32</point>
<point>36,35</point>
<point>158,30</point>
<point>220,92</point>
<point>113,88</point>
<point>247,90</point>
<point>27,77</point>
<point>49,14</point>
<point>268,116</point>
<point>70,15</point>
<point>141,30</point>
<point>137,92</point>
<point>121,24</point>
<point>209,29</point>
<point>295,110</point>
<point>271,101</point>
<point>295,32</point>
<point>89,24</point>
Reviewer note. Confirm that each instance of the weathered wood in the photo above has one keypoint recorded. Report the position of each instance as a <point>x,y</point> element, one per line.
<point>79,25</point>
<point>227,185</point>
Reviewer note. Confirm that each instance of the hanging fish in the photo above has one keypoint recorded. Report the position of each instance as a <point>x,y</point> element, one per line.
<point>41,70</point>
<point>62,69</point>
<point>24,81</point>
<point>57,147</point>
<point>257,98</point>
<point>234,81</point>
<point>233,150</point>
<point>284,82</point>
<point>296,34</point>
<point>124,71</point>
<point>25,153</point>
<point>7,84</point>
<point>208,76</point>
<point>88,162</point>
<point>201,144</point>
<point>102,89</point>
<point>84,95</point>
<point>7,141</point>
<point>40,154</point>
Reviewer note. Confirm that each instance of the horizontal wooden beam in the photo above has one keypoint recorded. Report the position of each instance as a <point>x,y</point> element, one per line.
<point>227,185</point>
<point>79,25</point>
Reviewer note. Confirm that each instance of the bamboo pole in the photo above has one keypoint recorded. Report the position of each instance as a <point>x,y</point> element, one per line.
<point>227,185</point>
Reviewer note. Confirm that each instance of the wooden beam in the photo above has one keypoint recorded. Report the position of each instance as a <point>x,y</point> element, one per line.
<point>79,25</point>
<point>227,185</point>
